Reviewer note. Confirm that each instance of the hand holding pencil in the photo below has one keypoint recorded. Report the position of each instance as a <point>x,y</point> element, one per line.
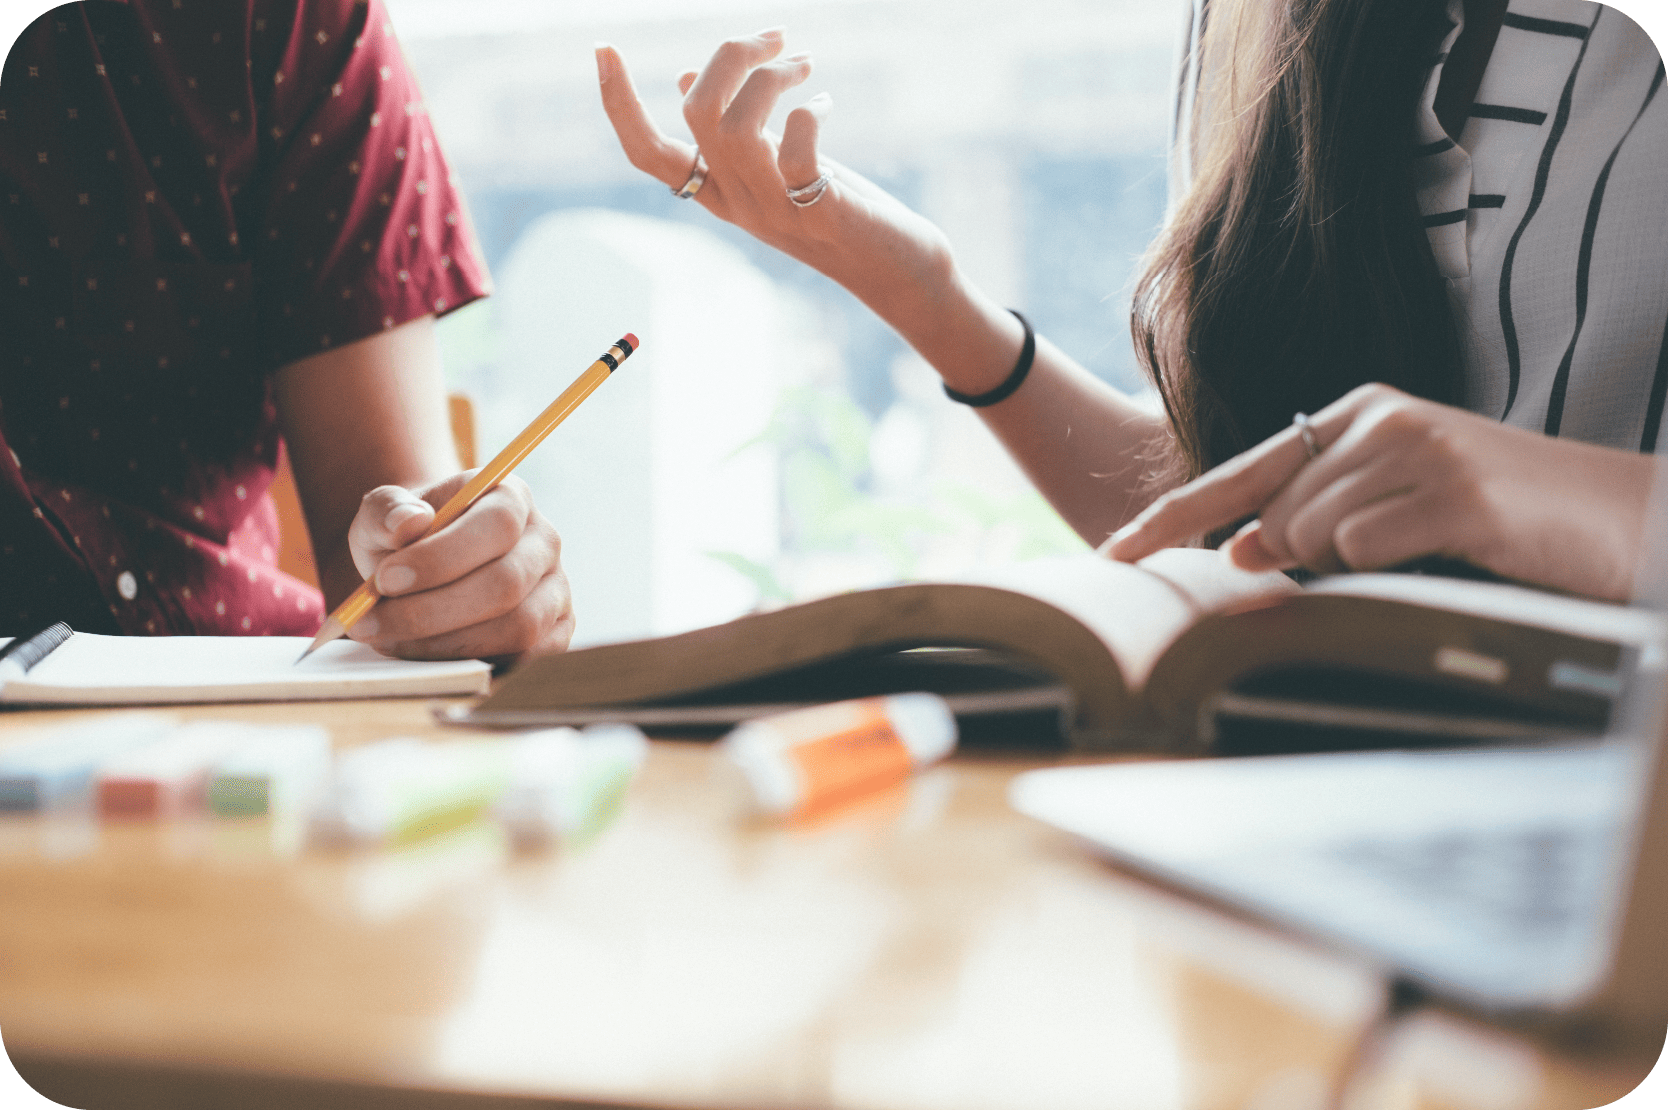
<point>505,574</point>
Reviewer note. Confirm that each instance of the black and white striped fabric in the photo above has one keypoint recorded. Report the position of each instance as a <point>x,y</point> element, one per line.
<point>1549,220</point>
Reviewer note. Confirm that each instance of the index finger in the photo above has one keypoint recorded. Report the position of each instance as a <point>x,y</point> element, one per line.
<point>1236,489</point>
<point>645,145</point>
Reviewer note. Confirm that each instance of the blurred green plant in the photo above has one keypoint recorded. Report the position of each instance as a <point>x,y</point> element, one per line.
<point>821,439</point>
<point>762,576</point>
<point>1036,529</point>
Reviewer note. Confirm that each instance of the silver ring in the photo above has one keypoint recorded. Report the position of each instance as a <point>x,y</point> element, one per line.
<point>1306,431</point>
<point>697,177</point>
<point>810,194</point>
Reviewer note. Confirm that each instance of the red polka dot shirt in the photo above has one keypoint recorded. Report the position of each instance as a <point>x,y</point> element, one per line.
<point>192,194</point>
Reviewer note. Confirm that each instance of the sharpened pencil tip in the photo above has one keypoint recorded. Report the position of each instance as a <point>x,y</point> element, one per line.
<point>333,630</point>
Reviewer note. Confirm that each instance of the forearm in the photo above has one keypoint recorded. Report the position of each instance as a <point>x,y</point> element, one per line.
<point>1090,450</point>
<point>1087,447</point>
<point>1097,456</point>
<point>369,414</point>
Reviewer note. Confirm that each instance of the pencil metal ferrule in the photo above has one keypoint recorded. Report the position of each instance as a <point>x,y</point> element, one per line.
<point>619,352</point>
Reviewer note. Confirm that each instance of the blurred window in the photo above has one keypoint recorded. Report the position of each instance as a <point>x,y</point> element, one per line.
<point>1032,133</point>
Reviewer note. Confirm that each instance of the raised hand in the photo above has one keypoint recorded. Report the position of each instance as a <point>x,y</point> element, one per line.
<point>853,231</point>
<point>1087,447</point>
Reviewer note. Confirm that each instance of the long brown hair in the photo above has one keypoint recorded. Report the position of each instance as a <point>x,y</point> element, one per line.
<point>1296,267</point>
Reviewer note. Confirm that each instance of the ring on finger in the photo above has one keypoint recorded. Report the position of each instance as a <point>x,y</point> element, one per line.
<point>810,194</point>
<point>697,177</point>
<point>1306,432</point>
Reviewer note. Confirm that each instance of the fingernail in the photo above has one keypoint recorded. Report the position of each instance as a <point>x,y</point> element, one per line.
<point>772,33</point>
<point>797,58</point>
<point>1247,550</point>
<point>365,628</point>
<point>399,514</point>
<point>605,63</point>
<point>395,579</point>
<point>1116,545</point>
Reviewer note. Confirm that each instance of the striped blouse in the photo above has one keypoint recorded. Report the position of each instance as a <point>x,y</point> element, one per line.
<point>1549,220</point>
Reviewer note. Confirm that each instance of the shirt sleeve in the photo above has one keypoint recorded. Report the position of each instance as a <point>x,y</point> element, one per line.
<point>358,225</point>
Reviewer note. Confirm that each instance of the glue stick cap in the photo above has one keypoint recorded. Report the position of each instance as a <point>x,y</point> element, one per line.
<point>804,757</point>
<point>925,725</point>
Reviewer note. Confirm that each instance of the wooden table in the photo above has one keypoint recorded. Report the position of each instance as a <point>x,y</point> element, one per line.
<point>927,948</point>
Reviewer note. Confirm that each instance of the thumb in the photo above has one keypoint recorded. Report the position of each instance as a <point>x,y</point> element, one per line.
<point>389,518</point>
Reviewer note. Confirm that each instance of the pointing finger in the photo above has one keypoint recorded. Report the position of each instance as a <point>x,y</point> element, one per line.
<point>1237,488</point>
<point>644,144</point>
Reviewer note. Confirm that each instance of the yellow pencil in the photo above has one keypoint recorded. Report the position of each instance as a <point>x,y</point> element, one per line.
<point>359,603</point>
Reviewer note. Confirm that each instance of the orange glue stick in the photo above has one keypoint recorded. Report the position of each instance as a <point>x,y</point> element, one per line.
<point>808,758</point>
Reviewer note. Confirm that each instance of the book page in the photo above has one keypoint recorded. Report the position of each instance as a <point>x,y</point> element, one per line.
<point>1139,609</point>
<point>1500,601</point>
<point>92,669</point>
<point>1093,624</point>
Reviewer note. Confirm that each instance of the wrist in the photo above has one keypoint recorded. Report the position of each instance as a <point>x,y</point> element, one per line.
<point>969,339</point>
<point>1009,385</point>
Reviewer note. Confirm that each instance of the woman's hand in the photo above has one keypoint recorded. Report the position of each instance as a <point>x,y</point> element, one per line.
<point>1398,478</point>
<point>1087,447</point>
<point>489,585</point>
<point>856,233</point>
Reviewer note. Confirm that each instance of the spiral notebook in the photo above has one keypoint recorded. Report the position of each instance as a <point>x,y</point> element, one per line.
<point>62,667</point>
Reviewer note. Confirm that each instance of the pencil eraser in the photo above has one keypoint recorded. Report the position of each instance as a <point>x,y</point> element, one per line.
<point>630,341</point>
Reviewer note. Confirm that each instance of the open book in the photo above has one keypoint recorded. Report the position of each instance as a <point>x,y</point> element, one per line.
<point>1180,652</point>
<point>60,667</point>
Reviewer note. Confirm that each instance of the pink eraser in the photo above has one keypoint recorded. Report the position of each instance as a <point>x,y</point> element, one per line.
<point>631,340</point>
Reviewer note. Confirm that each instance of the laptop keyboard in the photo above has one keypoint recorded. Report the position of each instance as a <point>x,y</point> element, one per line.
<point>1504,910</point>
<point>1495,873</point>
<point>1525,881</point>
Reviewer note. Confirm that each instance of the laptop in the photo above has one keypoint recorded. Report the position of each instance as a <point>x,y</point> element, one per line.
<point>1524,884</point>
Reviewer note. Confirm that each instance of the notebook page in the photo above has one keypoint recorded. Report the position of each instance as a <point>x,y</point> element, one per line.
<point>132,670</point>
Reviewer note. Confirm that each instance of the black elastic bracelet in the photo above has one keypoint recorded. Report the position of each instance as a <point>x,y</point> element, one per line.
<point>1014,380</point>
